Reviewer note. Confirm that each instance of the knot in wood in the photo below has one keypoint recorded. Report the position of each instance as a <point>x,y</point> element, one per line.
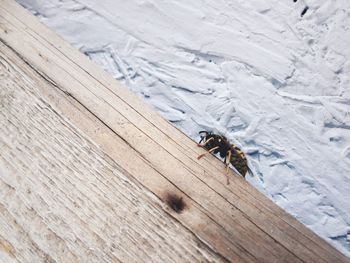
<point>175,202</point>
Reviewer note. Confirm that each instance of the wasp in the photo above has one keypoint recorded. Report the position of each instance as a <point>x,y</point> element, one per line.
<point>215,143</point>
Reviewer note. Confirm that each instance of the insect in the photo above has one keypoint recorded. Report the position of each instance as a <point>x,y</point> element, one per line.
<point>215,143</point>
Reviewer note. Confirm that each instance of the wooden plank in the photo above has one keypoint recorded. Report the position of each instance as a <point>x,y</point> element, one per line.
<point>235,222</point>
<point>62,198</point>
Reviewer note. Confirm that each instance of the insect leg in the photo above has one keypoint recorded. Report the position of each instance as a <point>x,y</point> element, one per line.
<point>227,163</point>
<point>205,143</point>
<point>227,160</point>
<point>212,149</point>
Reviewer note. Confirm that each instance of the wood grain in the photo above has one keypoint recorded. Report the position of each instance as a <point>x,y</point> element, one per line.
<point>62,199</point>
<point>69,127</point>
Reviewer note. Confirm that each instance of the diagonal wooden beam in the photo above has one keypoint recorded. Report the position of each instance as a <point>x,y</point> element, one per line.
<point>136,146</point>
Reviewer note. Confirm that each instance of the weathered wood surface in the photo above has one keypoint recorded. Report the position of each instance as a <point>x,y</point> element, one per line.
<point>88,172</point>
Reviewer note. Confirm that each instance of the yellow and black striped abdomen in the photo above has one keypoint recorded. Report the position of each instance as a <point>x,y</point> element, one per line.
<point>238,160</point>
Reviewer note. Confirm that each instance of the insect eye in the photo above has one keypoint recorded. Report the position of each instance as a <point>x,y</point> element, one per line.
<point>203,134</point>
